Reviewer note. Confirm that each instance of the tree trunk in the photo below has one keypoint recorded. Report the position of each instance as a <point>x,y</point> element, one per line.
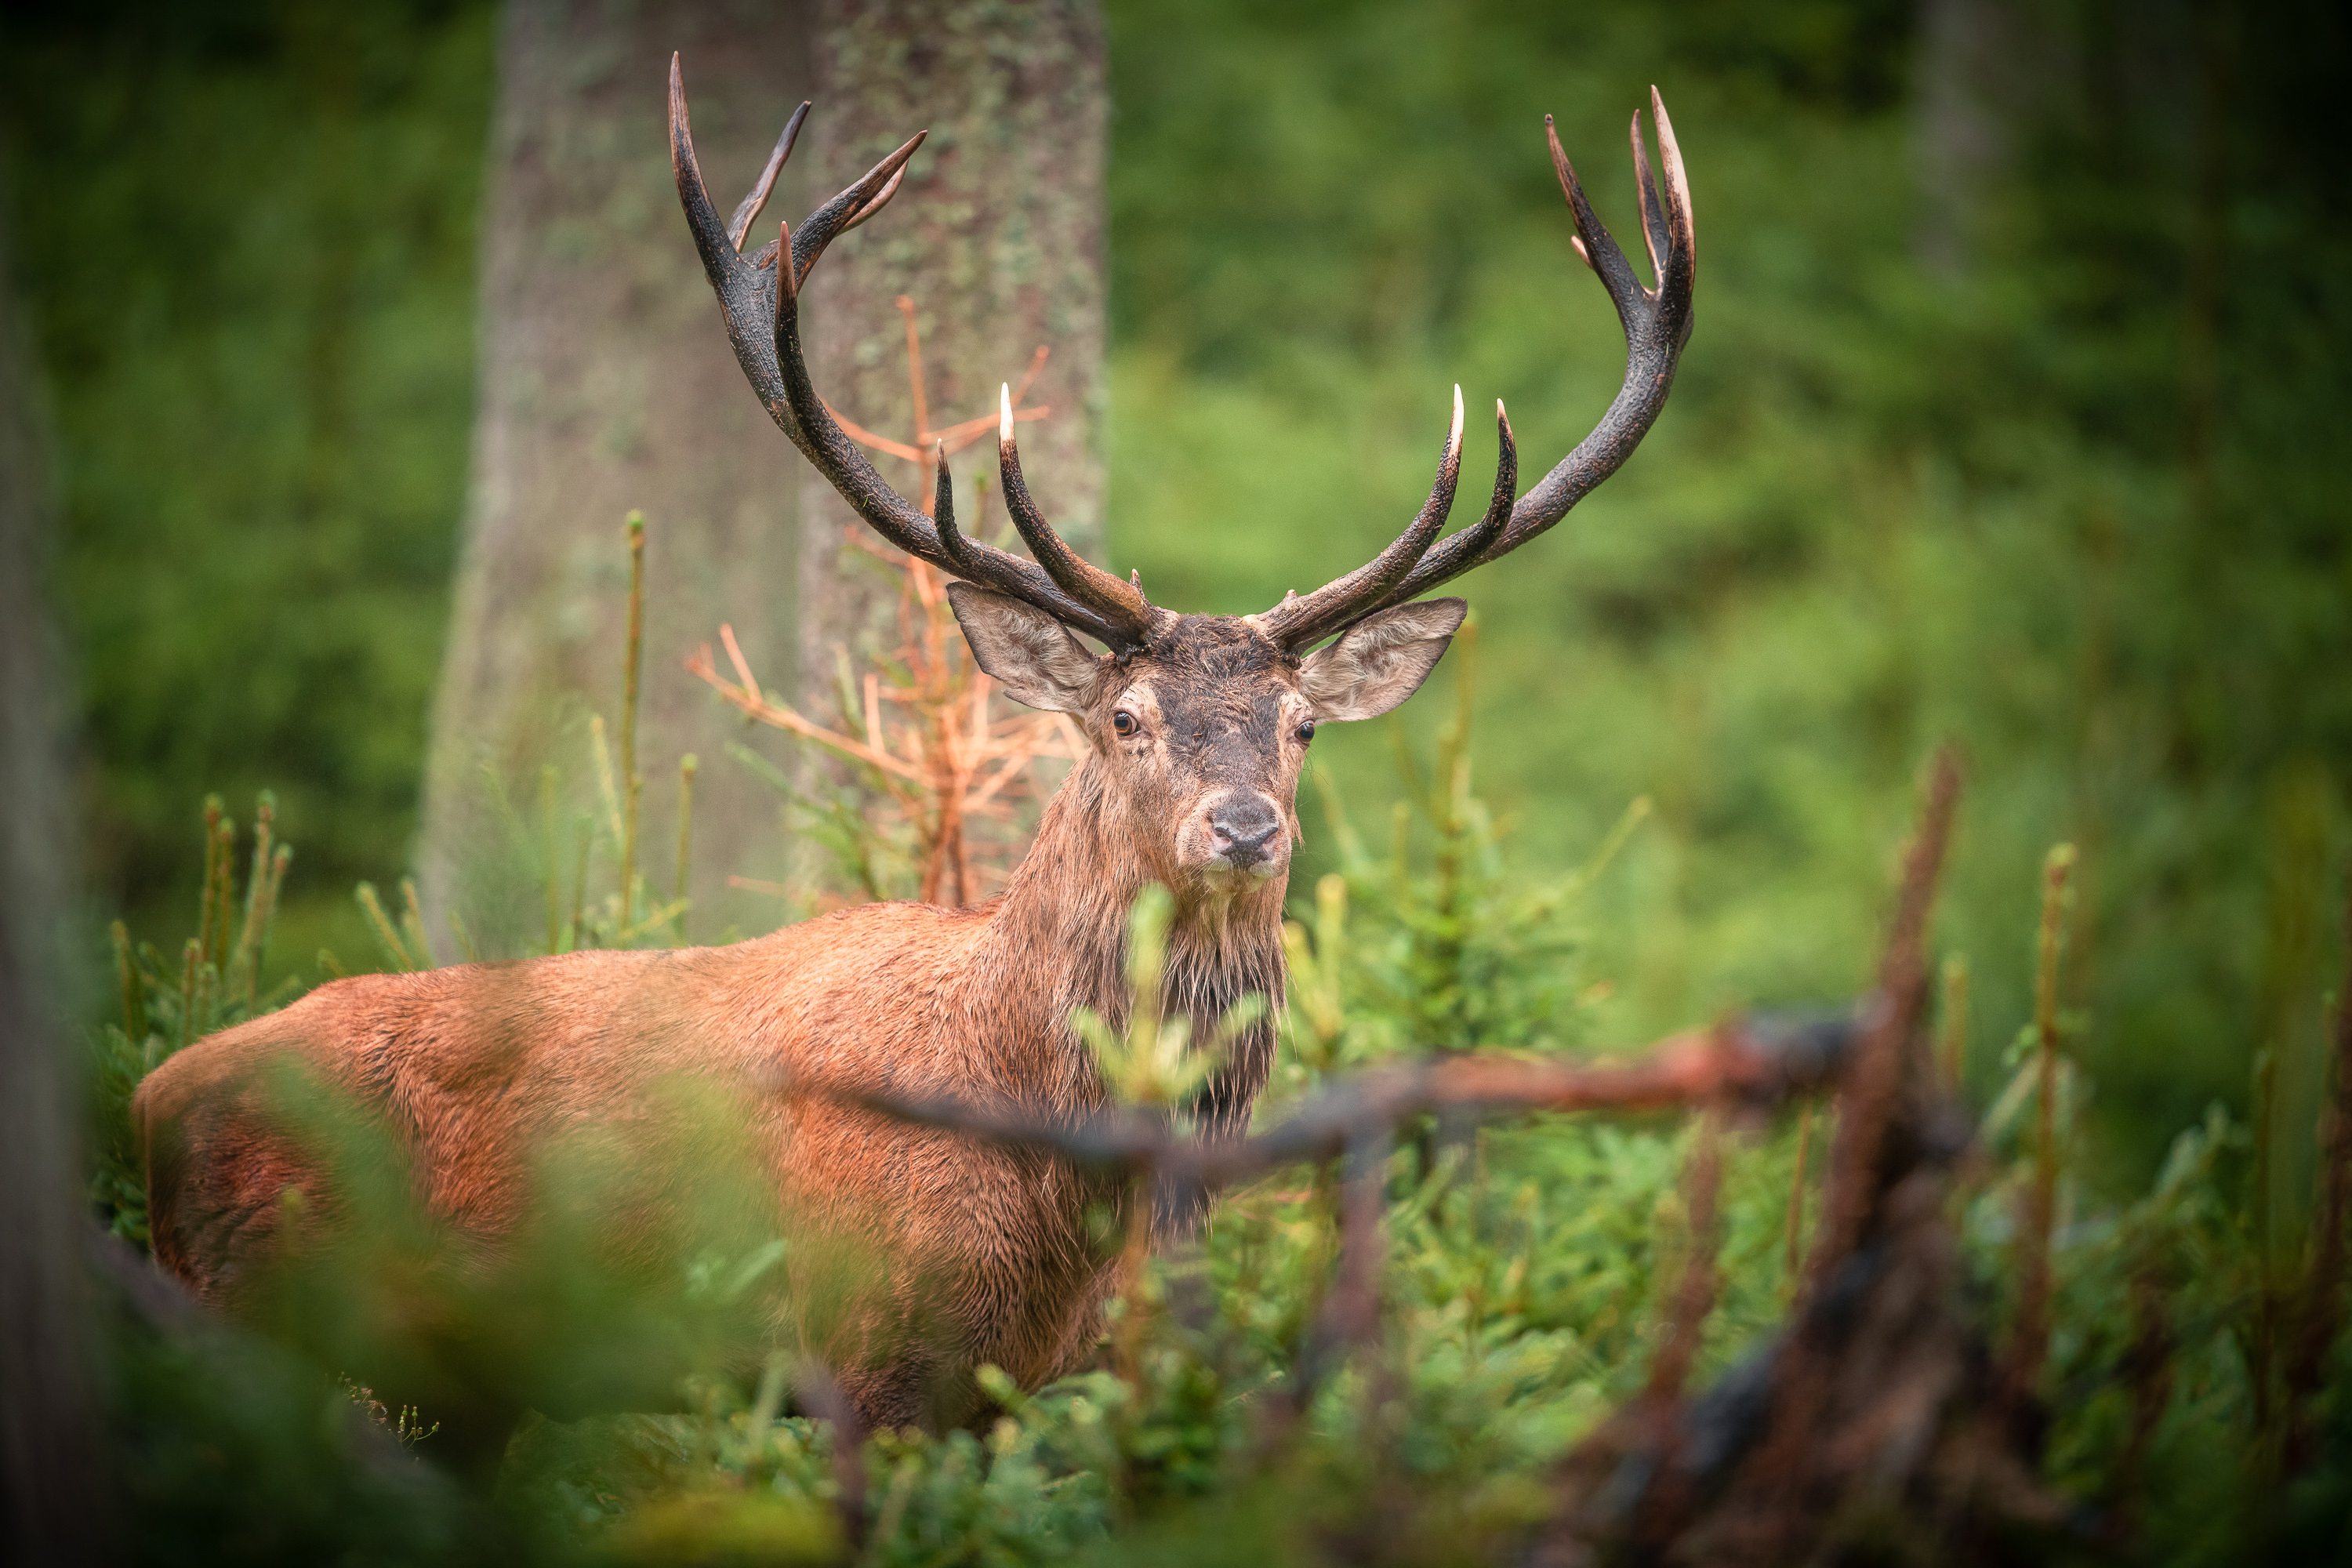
<point>606,385</point>
<point>48,1501</point>
<point>1960,135</point>
<point>997,237</point>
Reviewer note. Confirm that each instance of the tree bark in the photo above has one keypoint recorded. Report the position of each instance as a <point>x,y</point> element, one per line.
<point>47,1486</point>
<point>997,235</point>
<point>607,384</point>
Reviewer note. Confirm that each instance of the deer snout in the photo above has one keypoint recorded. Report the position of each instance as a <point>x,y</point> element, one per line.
<point>1243,828</point>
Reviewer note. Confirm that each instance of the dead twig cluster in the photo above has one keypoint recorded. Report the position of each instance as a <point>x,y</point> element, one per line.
<point>921,722</point>
<point>924,730</point>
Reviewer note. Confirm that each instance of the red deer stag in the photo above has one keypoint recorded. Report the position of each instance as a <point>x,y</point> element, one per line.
<point>1199,727</point>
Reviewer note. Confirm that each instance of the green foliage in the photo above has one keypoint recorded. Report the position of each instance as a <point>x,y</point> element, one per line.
<point>246,238</point>
<point>1154,1061</point>
<point>1528,1277</point>
<point>2069,503</point>
<point>1468,954</point>
<point>229,1450</point>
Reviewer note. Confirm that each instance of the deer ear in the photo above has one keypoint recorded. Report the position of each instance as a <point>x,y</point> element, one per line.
<point>1032,655</point>
<point>1381,660</point>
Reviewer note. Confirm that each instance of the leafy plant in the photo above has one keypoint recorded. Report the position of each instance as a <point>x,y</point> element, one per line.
<point>216,985</point>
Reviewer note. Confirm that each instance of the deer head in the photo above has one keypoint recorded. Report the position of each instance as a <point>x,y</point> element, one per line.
<point>1200,723</point>
<point>1202,731</point>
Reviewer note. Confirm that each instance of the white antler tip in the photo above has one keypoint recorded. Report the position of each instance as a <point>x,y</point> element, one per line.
<point>1004,411</point>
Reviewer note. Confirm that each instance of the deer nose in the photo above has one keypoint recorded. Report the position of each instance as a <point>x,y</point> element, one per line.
<point>1245,824</point>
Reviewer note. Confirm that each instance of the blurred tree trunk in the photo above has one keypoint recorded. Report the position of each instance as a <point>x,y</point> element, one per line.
<point>48,1488</point>
<point>1968,50</point>
<point>607,384</point>
<point>997,237</point>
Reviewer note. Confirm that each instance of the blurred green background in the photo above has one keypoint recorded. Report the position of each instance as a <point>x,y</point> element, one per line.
<point>2007,418</point>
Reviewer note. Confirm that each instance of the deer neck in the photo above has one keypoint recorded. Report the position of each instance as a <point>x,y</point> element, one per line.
<point>1060,934</point>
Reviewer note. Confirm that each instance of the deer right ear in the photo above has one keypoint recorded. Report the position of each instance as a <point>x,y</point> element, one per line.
<point>1032,655</point>
<point>1381,660</point>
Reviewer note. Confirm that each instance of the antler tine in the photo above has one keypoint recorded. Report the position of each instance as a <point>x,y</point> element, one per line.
<point>822,440</point>
<point>1657,325</point>
<point>881,200</point>
<point>1507,484</point>
<point>761,309</point>
<point>701,215</point>
<point>747,211</point>
<point>1593,238</point>
<point>1296,622</point>
<point>853,207</point>
<point>1683,247</point>
<point>961,558</point>
<point>1654,221</point>
<point>743,296</point>
<point>1081,579</point>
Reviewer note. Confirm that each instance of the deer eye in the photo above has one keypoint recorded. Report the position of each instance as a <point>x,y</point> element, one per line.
<point>1122,722</point>
<point>1306,730</point>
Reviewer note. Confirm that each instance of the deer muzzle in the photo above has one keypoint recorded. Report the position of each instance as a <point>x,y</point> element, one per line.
<point>1245,833</point>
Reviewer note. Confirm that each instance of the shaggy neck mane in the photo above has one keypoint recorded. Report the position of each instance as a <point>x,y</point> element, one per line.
<point>1060,933</point>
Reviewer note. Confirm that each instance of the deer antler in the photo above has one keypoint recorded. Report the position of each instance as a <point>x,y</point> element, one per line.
<point>759,297</point>
<point>1657,323</point>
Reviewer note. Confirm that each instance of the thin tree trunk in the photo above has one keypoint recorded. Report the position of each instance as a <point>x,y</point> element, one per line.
<point>607,385</point>
<point>1966,49</point>
<point>998,238</point>
<point>47,1480</point>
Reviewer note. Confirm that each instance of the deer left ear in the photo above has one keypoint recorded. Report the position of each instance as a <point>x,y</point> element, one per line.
<point>1381,660</point>
<point>1031,655</point>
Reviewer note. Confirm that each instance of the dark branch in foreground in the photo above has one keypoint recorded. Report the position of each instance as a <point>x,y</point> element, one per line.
<point>1757,1061</point>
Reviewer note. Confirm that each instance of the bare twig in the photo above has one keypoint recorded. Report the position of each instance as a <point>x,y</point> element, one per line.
<point>1876,1074</point>
<point>822,1397</point>
<point>2148,1371</point>
<point>1350,1315</point>
<point>2031,1345</point>
<point>2323,1307</point>
<point>1352,1311</point>
<point>632,786</point>
<point>1695,1294</point>
<point>1867,1105</point>
<point>1953,1048</point>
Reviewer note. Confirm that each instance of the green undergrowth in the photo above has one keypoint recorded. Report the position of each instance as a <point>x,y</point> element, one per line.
<point>1527,1281</point>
